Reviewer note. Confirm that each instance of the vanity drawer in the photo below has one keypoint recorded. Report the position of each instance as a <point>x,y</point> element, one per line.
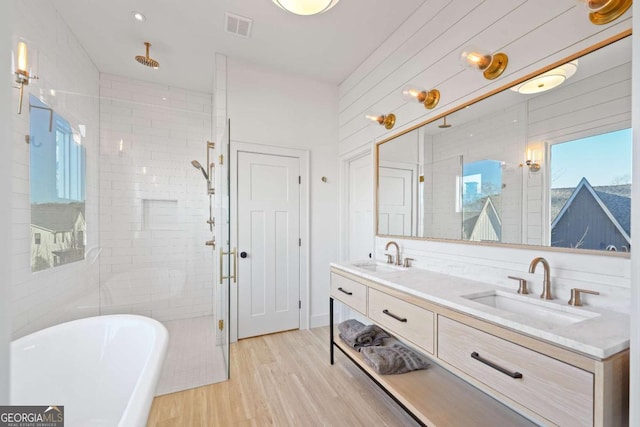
<point>350,292</point>
<point>561,393</point>
<point>404,319</point>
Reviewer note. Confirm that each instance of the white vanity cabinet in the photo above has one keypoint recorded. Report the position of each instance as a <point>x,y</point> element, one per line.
<point>547,383</point>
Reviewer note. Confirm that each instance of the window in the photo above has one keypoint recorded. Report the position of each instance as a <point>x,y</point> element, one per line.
<point>36,238</point>
<point>481,201</point>
<point>590,195</point>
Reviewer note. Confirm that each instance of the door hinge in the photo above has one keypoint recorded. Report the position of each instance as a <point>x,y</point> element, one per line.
<point>299,179</point>
<point>299,304</point>
<point>221,324</point>
<point>221,158</point>
<point>300,242</point>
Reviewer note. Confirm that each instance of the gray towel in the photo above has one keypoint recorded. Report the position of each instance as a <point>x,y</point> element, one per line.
<point>358,335</point>
<point>393,359</point>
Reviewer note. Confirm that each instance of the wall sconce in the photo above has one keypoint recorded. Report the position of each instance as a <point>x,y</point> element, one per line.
<point>388,120</point>
<point>604,11</point>
<point>531,162</point>
<point>23,70</point>
<point>492,66</point>
<point>427,98</point>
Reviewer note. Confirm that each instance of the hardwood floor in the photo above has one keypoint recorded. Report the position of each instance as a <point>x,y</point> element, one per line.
<point>283,380</point>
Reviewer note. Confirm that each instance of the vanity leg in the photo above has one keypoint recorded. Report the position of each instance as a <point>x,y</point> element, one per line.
<point>331,329</point>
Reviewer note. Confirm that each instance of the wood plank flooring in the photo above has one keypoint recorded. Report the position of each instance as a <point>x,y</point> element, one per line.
<point>283,380</point>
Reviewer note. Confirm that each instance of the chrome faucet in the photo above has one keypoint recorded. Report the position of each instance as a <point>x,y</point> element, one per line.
<point>398,259</point>
<point>546,283</point>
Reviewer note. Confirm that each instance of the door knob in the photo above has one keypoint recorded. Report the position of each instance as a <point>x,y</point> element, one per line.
<point>243,254</point>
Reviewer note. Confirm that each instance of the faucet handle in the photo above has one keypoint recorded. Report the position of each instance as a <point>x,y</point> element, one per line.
<point>575,296</point>
<point>522,288</point>
<point>407,262</point>
<point>389,258</point>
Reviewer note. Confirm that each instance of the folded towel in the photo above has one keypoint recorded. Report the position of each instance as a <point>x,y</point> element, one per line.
<point>393,359</point>
<point>358,335</point>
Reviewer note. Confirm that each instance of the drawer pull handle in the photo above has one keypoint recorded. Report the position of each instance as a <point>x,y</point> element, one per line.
<point>476,356</point>
<point>398,318</point>
<point>345,292</point>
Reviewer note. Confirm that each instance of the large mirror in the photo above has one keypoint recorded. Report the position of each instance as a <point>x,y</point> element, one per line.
<point>546,162</point>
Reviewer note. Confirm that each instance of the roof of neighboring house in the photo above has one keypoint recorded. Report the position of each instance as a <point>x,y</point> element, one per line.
<point>489,210</point>
<point>615,200</point>
<point>56,217</point>
<point>559,197</point>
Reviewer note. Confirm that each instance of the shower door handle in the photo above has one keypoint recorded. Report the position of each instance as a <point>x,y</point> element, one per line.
<point>235,265</point>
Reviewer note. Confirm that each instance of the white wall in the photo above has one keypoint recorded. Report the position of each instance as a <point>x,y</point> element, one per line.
<point>273,108</point>
<point>6,12</point>
<point>634,418</point>
<point>153,203</point>
<point>66,292</point>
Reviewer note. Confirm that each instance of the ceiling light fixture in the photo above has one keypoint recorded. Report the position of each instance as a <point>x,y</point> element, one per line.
<point>306,7</point>
<point>388,120</point>
<point>492,66</point>
<point>604,11</point>
<point>427,98</point>
<point>549,80</point>
<point>138,16</point>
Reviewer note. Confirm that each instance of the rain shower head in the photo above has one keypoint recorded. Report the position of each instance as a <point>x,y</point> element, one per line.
<point>196,164</point>
<point>146,60</point>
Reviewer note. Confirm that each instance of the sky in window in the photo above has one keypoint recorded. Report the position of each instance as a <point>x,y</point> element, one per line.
<point>602,159</point>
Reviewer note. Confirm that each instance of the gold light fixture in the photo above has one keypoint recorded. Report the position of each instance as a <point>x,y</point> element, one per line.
<point>604,11</point>
<point>548,80</point>
<point>492,66</point>
<point>23,70</point>
<point>387,120</point>
<point>427,98</point>
<point>531,162</point>
<point>306,7</point>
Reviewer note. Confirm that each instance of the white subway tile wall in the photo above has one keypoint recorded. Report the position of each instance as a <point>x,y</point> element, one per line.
<point>154,203</point>
<point>70,291</point>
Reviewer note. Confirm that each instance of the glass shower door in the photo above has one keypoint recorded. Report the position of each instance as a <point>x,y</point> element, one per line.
<point>227,267</point>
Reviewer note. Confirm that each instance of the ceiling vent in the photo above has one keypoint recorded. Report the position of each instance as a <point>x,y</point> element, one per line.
<point>238,25</point>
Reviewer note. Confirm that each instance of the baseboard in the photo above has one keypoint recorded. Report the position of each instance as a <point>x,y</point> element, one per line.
<point>319,320</point>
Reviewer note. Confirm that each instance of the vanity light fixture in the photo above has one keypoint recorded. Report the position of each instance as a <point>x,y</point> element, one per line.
<point>427,98</point>
<point>548,80</point>
<point>306,7</point>
<point>23,70</point>
<point>492,66</point>
<point>388,120</point>
<point>604,11</point>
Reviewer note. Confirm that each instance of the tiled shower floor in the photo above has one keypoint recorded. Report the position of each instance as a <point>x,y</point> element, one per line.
<point>193,359</point>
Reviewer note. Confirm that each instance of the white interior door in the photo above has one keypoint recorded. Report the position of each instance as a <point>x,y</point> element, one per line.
<point>395,200</point>
<point>360,208</point>
<point>268,243</point>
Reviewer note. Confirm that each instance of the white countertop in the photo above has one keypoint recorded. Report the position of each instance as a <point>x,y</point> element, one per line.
<point>601,334</point>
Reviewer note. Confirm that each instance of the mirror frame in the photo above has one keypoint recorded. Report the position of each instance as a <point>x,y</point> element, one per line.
<point>437,117</point>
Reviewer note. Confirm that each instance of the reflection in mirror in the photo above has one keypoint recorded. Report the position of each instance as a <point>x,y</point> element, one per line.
<point>493,171</point>
<point>57,183</point>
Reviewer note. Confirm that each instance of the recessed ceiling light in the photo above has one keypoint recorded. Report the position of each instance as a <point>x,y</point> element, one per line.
<point>138,16</point>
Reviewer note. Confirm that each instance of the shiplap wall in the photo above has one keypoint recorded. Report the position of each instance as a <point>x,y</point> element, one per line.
<point>424,51</point>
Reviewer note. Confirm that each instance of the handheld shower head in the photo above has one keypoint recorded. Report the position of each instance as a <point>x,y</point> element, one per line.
<point>196,164</point>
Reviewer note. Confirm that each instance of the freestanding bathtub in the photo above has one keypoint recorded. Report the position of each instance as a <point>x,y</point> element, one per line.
<point>103,369</point>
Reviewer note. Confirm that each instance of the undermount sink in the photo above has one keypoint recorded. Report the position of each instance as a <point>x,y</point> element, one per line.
<point>377,266</point>
<point>552,314</point>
